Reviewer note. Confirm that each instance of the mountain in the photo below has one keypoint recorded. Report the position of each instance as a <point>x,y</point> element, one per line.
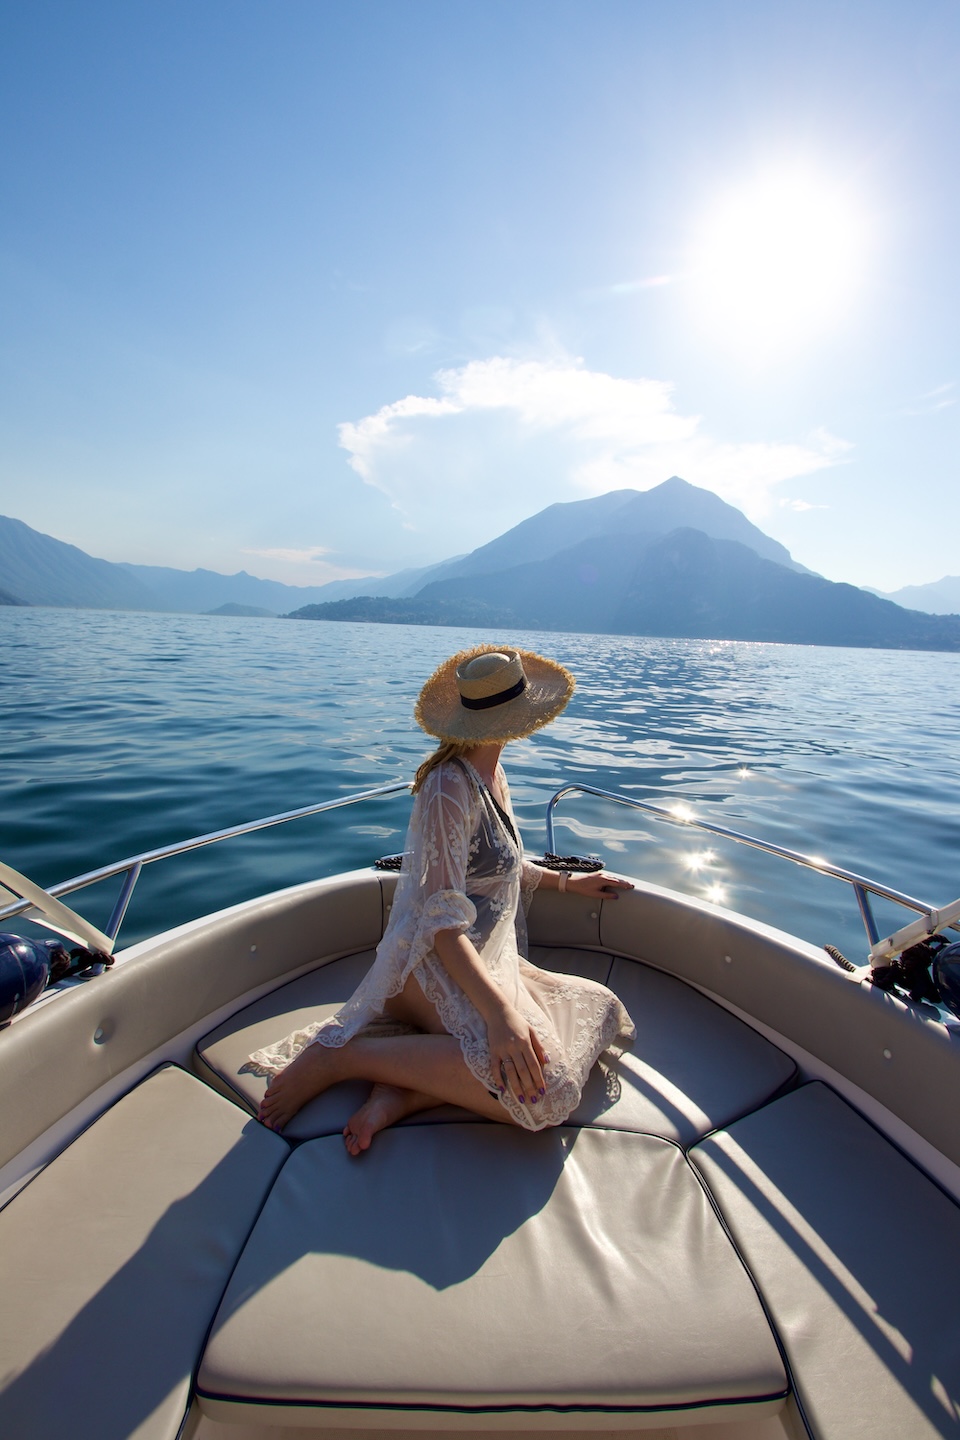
<point>7,599</point>
<point>645,514</point>
<point>692,586</point>
<point>36,569</point>
<point>648,513</point>
<point>40,570</point>
<point>685,584</point>
<point>403,582</point>
<point>940,597</point>
<point>675,560</point>
<point>203,591</point>
<point>200,591</point>
<point>44,571</point>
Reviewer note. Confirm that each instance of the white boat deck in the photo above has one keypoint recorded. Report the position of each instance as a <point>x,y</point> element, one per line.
<point>716,1244</point>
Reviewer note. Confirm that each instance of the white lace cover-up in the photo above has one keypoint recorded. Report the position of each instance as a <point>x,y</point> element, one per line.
<point>463,870</point>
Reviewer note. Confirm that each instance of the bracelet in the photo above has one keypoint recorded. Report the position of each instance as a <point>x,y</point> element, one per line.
<point>562,882</point>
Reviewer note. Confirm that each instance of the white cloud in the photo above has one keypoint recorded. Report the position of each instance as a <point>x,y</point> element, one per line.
<point>506,437</point>
<point>377,433</point>
<point>829,444</point>
<point>941,397</point>
<point>588,404</point>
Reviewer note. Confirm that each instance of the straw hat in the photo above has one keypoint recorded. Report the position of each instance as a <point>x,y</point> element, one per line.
<point>492,694</point>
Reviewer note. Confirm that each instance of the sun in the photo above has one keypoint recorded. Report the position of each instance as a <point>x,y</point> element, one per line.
<point>778,259</point>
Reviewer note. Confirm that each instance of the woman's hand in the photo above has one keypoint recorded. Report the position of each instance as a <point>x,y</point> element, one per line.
<point>516,1055</point>
<point>598,884</point>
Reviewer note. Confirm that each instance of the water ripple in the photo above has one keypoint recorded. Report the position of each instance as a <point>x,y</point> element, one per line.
<point>121,732</point>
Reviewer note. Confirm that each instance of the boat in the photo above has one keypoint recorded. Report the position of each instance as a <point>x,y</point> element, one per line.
<point>748,1230</point>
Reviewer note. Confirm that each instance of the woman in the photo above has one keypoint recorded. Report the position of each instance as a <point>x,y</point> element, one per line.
<point>451,1011</point>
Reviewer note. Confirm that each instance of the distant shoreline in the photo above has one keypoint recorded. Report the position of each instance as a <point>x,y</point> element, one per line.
<point>491,627</point>
<point>374,610</point>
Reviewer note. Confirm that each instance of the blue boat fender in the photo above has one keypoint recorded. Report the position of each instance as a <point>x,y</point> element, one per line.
<point>946,973</point>
<point>24,971</point>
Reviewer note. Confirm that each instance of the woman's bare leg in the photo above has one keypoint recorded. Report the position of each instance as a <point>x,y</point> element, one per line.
<point>384,1106</point>
<point>412,1007</point>
<point>430,1065</point>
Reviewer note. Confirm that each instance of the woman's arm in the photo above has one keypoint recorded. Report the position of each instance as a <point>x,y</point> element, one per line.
<point>537,877</point>
<point>515,1050</point>
<point>589,882</point>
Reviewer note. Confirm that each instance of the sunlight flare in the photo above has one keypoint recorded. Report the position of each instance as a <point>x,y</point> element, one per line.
<point>778,259</point>
<point>699,860</point>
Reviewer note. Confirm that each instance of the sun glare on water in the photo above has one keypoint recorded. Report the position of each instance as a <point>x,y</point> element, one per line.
<point>778,260</point>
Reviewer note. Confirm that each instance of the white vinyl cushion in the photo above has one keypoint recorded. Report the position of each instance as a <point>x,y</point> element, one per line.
<point>481,1268</point>
<point>113,1261</point>
<point>315,996</point>
<point>694,1067</point>
<point>857,1254</point>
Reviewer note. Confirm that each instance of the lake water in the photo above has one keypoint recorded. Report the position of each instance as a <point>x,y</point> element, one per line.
<point>120,732</point>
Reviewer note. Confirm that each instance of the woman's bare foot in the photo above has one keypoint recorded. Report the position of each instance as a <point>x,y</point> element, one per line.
<point>305,1077</point>
<point>385,1105</point>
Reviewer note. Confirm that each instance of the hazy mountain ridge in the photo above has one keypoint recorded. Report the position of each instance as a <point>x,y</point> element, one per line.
<point>939,597</point>
<point>685,584</point>
<point>43,571</point>
<point>200,591</point>
<point>673,561</point>
<point>37,569</point>
<point>646,514</point>
<point>402,582</point>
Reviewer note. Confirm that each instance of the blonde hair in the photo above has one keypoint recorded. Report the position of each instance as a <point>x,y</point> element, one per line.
<point>446,750</point>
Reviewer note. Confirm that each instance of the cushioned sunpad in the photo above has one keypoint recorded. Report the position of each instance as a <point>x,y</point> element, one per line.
<point>483,1268</point>
<point>857,1254</point>
<point>113,1261</point>
<point>693,1068</point>
<point>313,997</point>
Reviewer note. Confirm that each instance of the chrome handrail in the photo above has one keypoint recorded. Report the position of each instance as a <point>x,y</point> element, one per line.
<point>131,867</point>
<point>862,886</point>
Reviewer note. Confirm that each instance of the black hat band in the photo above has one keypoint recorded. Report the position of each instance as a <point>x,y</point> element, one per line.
<point>489,701</point>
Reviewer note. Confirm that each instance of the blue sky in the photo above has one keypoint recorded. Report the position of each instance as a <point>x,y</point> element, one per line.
<point>316,289</point>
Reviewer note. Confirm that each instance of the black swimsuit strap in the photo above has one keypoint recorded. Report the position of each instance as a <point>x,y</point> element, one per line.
<point>494,801</point>
<point>504,817</point>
